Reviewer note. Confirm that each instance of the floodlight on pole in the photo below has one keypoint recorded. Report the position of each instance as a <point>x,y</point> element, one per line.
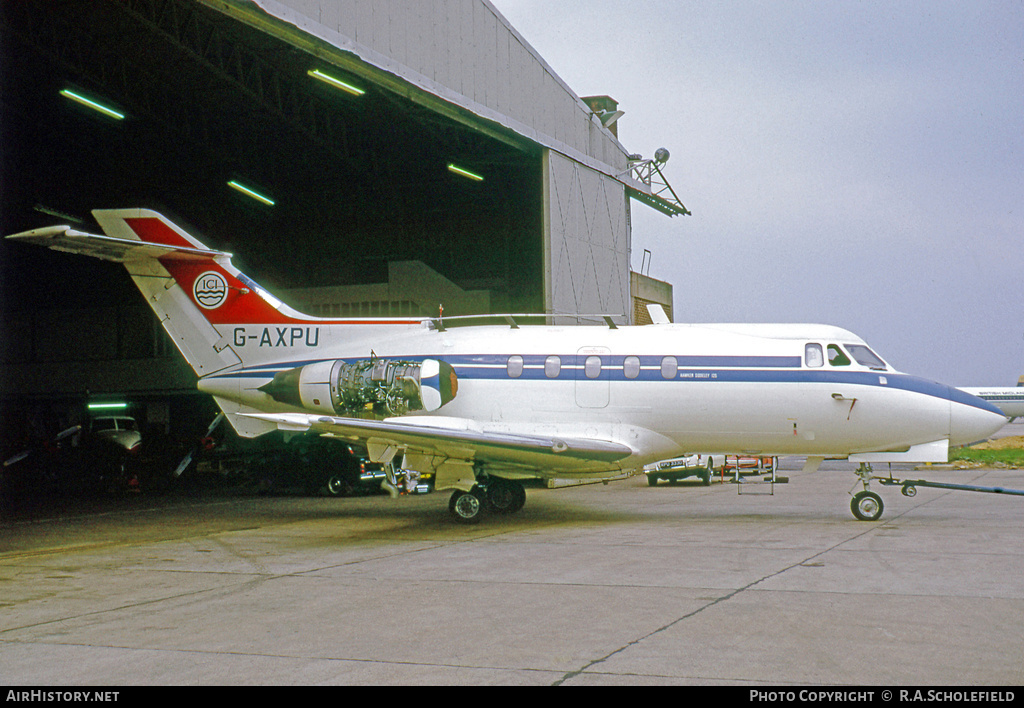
<point>658,193</point>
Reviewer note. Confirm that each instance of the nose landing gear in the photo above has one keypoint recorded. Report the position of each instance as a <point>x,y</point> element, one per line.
<point>866,505</point>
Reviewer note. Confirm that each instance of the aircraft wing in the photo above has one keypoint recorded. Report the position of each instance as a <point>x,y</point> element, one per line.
<point>463,440</point>
<point>117,250</point>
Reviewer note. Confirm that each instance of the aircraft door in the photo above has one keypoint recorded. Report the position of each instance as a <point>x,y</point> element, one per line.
<point>593,376</point>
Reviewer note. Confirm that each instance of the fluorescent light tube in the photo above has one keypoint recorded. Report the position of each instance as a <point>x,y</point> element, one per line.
<point>250,193</point>
<point>336,83</point>
<point>89,103</point>
<point>464,173</point>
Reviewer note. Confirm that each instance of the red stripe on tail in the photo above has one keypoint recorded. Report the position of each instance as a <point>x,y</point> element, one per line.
<point>153,230</point>
<point>215,290</point>
<point>220,296</point>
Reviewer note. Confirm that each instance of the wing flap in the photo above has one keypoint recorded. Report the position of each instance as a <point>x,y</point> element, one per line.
<point>457,438</point>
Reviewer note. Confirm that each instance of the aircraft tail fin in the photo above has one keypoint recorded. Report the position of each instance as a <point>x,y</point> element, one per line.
<point>190,287</point>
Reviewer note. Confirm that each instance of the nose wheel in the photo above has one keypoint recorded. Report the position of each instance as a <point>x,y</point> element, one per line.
<point>867,506</point>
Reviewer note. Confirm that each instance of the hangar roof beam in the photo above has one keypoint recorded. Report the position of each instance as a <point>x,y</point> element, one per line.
<point>212,45</point>
<point>255,16</point>
<point>191,35</point>
<point>325,42</point>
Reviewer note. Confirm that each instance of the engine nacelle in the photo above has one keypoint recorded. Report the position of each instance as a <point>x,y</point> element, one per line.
<point>382,387</point>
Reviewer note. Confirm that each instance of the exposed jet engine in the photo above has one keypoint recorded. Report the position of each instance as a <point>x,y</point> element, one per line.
<point>383,387</point>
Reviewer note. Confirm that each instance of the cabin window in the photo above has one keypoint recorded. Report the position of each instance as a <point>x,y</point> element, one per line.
<point>813,356</point>
<point>592,367</point>
<point>836,357</point>
<point>669,367</point>
<point>865,357</point>
<point>515,366</point>
<point>552,366</point>
<point>631,367</point>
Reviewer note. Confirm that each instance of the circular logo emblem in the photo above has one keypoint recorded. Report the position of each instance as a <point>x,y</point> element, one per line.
<point>210,290</point>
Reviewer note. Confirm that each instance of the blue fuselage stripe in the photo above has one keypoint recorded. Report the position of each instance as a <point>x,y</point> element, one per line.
<point>690,369</point>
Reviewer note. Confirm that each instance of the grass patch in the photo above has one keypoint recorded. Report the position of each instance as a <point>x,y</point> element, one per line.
<point>1011,457</point>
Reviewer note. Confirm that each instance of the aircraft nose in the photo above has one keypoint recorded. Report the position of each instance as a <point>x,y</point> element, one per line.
<point>972,419</point>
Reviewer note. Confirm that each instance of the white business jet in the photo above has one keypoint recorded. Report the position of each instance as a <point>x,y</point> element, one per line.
<point>483,407</point>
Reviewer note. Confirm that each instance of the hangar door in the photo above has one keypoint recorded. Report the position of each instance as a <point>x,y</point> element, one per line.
<point>586,240</point>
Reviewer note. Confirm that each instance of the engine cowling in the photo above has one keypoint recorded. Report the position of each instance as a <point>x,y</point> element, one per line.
<point>378,386</point>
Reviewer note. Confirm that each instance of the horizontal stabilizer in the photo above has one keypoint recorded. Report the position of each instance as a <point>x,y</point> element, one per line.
<point>116,250</point>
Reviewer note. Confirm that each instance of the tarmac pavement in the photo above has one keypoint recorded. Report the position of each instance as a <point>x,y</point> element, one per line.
<point>616,584</point>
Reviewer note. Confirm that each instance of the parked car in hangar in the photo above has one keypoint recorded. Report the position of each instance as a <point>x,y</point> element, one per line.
<point>357,475</point>
<point>308,463</point>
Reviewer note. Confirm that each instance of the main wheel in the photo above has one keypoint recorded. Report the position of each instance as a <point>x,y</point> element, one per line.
<point>866,506</point>
<point>505,496</point>
<point>466,507</point>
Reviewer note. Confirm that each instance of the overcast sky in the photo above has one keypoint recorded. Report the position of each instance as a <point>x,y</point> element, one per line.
<point>851,163</point>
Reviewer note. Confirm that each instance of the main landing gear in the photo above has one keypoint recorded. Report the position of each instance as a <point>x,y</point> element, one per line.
<point>495,494</point>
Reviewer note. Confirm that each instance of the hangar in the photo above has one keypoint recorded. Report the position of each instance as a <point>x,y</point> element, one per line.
<point>360,158</point>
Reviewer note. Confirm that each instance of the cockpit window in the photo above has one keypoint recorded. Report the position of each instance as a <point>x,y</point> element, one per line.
<point>836,357</point>
<point>865,357</point>
<point>813,356</point>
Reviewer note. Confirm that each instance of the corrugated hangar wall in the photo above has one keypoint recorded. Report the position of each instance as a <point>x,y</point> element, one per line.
<point>463,54</point>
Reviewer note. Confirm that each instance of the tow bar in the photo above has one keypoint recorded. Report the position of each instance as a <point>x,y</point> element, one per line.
<point>867,506</point>
<point>910,486</point>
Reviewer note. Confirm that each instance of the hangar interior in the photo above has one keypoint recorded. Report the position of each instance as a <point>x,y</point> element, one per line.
<point>358,158</point>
